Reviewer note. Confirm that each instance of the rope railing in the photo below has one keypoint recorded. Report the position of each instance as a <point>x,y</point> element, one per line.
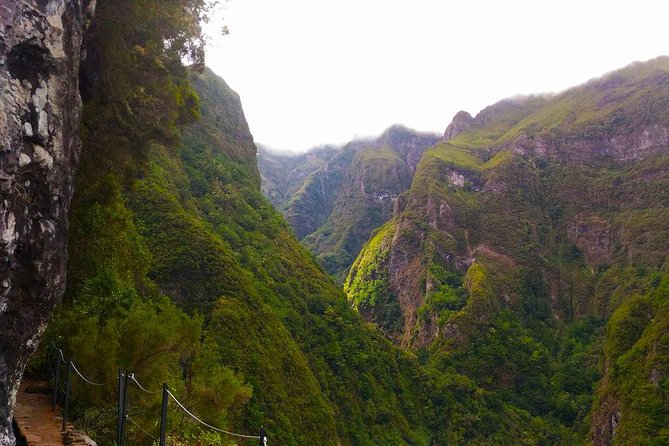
<point>123,378</point>
<point>84,378</point>
<point>61,357</point>
<point>60,354</point>
<point>141,429</point>
<point>214,428</point>
<point>131,377</point>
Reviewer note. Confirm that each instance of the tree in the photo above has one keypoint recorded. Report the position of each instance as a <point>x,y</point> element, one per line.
<point>134,82</point>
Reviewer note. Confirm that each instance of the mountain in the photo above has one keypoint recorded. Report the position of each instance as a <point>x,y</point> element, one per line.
<point>518,293</point>
<point>283,172</point>
<point>529,257</point>
<point>352,192</point>
<point>189,225</point>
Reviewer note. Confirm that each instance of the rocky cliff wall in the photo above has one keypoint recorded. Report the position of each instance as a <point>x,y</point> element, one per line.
<point>40,111</point>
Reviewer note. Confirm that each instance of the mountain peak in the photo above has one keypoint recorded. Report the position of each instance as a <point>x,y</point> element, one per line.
<point>461,121</point>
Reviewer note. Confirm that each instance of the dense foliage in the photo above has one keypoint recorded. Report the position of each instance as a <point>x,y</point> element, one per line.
<point>525,263</point>
<point>182,272</point>
<point>526,330</point>
<point>335,197</point>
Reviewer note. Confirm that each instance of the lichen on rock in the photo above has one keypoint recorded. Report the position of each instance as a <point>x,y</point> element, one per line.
<point>40,111</point>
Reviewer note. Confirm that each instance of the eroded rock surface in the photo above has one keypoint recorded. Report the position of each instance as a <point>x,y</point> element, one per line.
<point>461,121</point>
<point>40,111</point>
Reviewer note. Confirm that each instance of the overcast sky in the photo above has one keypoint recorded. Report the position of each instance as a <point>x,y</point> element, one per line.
<point>320,71</point>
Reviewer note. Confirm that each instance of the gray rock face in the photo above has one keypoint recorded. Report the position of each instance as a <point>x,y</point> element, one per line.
<point>461,121</point>
<point>408,144</point>
<point>40,109</point>
<point>624,148</point>
<point>591,235</point>
<point>75,438</point>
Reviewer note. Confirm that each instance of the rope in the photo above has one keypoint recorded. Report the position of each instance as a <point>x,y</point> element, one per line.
<point>84,378</point>
<point>62,358</point>
<point>140,428</point>
<point>132,377</point>
<point>60,352</point>
<point>209,425</point>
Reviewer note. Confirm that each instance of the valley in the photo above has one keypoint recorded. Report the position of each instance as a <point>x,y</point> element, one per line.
<point>505,282</point>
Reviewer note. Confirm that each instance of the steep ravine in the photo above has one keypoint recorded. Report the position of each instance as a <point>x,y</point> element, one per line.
<point>335,208</point>
<point>39,116</point>
<point>542,219</point>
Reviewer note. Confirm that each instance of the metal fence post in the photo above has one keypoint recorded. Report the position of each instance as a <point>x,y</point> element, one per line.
<point>56,382</point>
<point>124,409</point>
<point>67,394</point>
<point>47,366</point>
<point>163,416</point>
<point>120,408</point>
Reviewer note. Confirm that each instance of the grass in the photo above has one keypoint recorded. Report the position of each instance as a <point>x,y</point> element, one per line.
<point>455,156</point>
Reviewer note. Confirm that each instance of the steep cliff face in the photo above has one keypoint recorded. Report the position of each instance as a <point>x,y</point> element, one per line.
<point>408,144</point>
<point>284,173</point>
<point>370,187</point>
<point>39,116</point>
<point>542,212</point>
<point>338,205</point>
<point>556,153</point>
<point>310,206</point>
<point>461,121</point>
<point>187,223</point>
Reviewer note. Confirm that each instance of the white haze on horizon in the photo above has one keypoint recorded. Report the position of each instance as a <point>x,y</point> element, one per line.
<point>314,72</point>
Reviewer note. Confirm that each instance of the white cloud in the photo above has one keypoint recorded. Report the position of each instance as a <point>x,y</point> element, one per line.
<point>321,71</point>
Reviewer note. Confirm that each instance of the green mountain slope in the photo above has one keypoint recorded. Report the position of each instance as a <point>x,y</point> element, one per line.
<point>524,272</point>
<point>308,367</point>
<point>370,186</point>
<point>337,206</point>
<point>308,208</point>
<point>283,173</point>
<point>521,245</point>
<point>181,271</point>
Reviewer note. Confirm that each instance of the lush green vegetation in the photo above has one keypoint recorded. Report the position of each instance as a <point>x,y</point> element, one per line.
<point>335,208</point>
<point>637,364</point>
<point>283,174</point>
<point>181,272</point>
<point>617,102</point>
<point>372,181</point>
<point>536,277</point>
<point>542,286</point>
<point>369,291</point>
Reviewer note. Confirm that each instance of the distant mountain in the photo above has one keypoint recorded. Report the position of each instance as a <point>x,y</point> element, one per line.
<point>529,258</point>
<point>347,193</point>
<point>283,173</point>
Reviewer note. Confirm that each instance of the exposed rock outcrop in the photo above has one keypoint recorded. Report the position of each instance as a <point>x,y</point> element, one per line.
<point>461,121</point>
<point>526,172</point>
<point>592,236</point>
<point>40,110</point>
<point>627,147</point>
<point>335,207</point>
<point>74,438</point>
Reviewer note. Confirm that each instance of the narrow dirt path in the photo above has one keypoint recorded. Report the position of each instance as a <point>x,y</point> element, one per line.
<point>37,423</point>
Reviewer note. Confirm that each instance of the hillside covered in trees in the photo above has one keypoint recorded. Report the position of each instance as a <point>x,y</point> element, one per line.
<point>506,284</point>
<point>181,271</point>
<point>529,260</point>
